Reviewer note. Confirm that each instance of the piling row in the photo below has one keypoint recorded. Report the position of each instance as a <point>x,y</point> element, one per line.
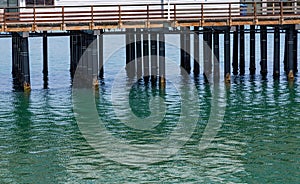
<point>237,60</point>
<point>145,55</point>
<point>87,48</point>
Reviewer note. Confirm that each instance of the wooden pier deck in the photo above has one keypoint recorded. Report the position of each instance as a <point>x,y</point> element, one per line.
<point>57,18</point>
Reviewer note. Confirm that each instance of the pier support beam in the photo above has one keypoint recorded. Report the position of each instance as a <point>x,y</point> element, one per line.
<point>252,50</point>
<point>139,65</point>
<point>276,58</point>
<point>291,52</point>
<point>227,55</point>
<point>20,61</point>
<point>146,55</point>
<point>45,59</point>
<point>153,37</point>
<point>162,66</point>
<point>242,50</point>
<point>235,55</point>
<point>263,47</point>
<point>196,51</point>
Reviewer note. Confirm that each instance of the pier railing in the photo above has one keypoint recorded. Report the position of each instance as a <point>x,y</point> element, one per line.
<point>14,19</point>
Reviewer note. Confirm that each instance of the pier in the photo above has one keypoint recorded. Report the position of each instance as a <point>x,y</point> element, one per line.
<point>145,27</point>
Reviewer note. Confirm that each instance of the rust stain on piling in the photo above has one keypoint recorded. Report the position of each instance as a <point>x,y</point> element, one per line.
<point>291,75</point>
<point>227,78</point>
<point>26,86</point>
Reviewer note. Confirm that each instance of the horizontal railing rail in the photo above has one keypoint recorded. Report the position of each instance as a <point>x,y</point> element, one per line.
<point>184,14</point>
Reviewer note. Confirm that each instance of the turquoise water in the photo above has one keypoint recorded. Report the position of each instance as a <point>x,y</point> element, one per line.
<point>41,142</point>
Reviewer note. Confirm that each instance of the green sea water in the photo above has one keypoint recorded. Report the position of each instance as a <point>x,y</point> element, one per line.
<point>40,141</point>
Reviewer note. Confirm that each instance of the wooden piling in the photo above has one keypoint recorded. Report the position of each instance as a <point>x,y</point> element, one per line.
<point>153,37</point>
<point>182,54</point>
<point>242,50</point>
<point>139,65</point>
<point>45,59</point>
<point>101,54</point>
<point>252,50</point>
<point>207,52</point>
<point>146,55</point>
<point>235,55</point>
<point>15,55</point>
<point>263,51</point>
<point>291,52</point>
<point>216,52</point>
<point>187,51</point>
<point>227,54</point>
<point>286,56</point>
<point>185,59</point>
<point>20,61</point>
<point>89,63</point>
<point>162,66</point>
<point>73,53</point>
<point>130,59</point>
<point>276,56</point>
<point>295,50</point>
<point>95,60</point>
<point>196,51</point>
